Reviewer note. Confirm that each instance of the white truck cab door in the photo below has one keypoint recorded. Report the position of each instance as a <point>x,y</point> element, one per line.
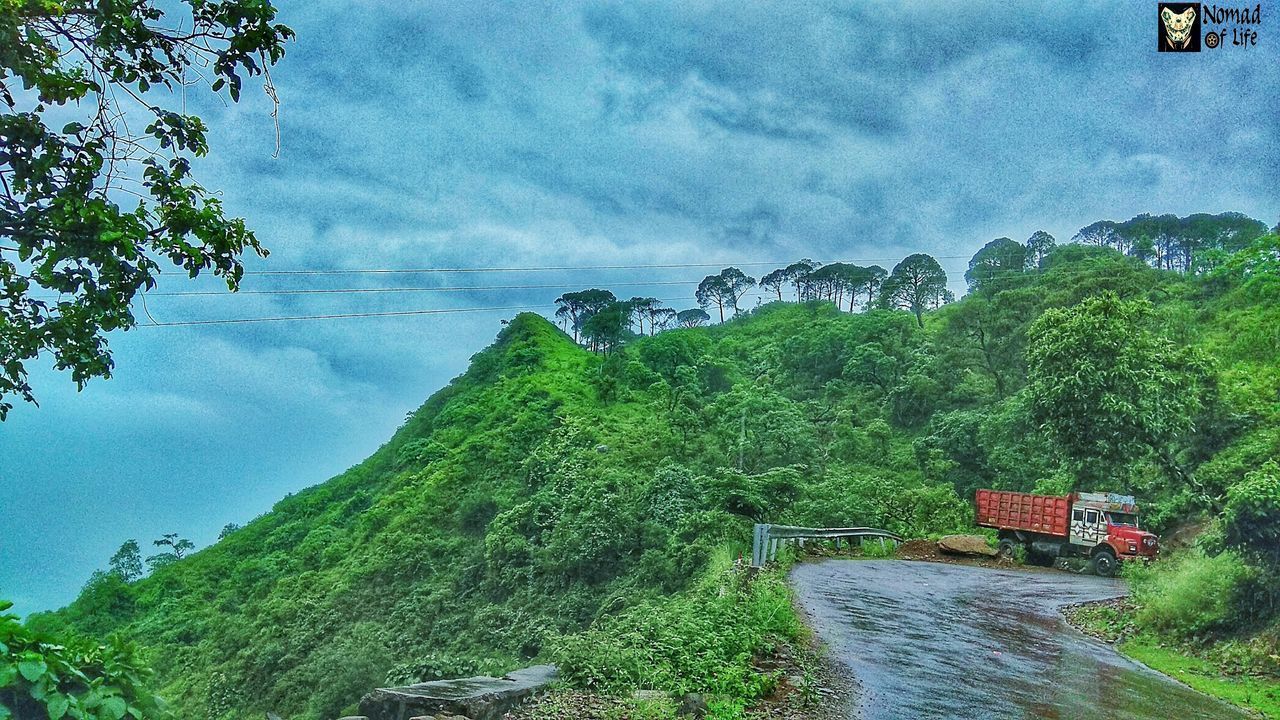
<point>1088,526</point>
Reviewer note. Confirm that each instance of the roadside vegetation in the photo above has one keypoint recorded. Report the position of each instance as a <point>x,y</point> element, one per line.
<point>583,500</point>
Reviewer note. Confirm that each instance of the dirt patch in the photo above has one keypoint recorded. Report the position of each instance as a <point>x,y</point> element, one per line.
<point>927,550</point>
<point>924,550</point>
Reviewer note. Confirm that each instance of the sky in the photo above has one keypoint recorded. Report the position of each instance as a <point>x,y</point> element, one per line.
<point>532,134</point>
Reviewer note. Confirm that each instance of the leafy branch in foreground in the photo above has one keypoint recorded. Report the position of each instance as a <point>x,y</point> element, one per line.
<point>43,677</point>
<point>77,81</point>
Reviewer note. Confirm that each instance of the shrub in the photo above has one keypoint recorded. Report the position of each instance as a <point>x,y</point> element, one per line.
<point>42,676</point>
<point>1252,518</point>
<point>1190,595</point>
<point>702,640</point>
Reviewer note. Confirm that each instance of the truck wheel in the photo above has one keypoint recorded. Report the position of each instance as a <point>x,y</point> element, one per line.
<point>1005,549</point>
<point>1105,563</point>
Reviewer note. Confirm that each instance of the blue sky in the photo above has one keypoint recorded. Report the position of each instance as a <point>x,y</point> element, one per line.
<point>562,134</point>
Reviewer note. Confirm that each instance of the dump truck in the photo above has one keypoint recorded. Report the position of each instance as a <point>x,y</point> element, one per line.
<point>1102,527</point>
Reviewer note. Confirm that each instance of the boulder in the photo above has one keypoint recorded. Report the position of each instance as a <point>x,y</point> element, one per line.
<point>966,545</point>
<point>474,698</point>
<point>692,705</point>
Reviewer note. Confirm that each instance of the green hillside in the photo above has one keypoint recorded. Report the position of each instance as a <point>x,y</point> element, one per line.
<point>550,488</point>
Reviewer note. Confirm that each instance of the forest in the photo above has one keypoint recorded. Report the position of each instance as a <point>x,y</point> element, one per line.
<point>583,489</point>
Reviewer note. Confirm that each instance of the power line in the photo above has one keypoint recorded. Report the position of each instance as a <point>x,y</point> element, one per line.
<point>459,288</point>
<point>411,271</point>
<point>398,313</point>
<point>557,268</point>
<point>338,316</point>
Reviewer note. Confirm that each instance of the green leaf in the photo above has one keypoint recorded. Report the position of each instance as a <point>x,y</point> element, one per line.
<point>5,714</point>
<point>32,669</point>
<point>7,674</point>
<point>57,706</point>
<point>115,707</point>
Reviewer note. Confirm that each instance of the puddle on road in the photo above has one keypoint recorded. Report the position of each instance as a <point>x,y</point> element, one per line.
<point>928,640</point>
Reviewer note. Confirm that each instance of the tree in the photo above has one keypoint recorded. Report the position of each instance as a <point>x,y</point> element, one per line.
<point>1038,246</point>
<point>1104,233</point>
<point>724,289</point>
<point>178,548</point>
<point>995,326</point>
<point>775,280</point>
<point>873,280</point>
<point>798,273</point>
<point>608,328</point>
<point>228,529</point>
<point>127,562</point>
<point>834,281</point>
<point>918,283</point>
<point>650,309</point>
<point>660,319</point>
<point>1252,518</point>
<point>72,154</point>
<point>998,259</point>
<point>692,317</point>
<point>575,308</point>
<point>1109,390</point>
<point>642,308</point>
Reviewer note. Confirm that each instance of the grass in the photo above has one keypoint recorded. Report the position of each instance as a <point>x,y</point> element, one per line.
<point>1261,695</point>
<point>704,640</point>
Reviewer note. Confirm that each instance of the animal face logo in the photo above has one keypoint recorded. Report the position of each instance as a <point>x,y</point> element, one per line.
<point>1179,27</point>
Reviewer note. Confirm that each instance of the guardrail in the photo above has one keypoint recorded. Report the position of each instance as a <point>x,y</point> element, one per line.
<point>767,539</point>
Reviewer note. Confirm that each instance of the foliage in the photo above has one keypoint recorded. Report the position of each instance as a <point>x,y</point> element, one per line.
<point>90,71</point>
<point>127,562</point>
<point>1252,517</point>
<point>551,491</point>
<point>917,284</point>
<point>1190,595</point>
<point>726,288</point>
<point>996,261</point>
<point>692,317</point>
<point>70,678</point>
<point>702,640</point>
<point>1172,243</point>
<point>1099,365</point>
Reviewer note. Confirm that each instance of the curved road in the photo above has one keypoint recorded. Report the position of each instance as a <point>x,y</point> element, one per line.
<point>928,640</point>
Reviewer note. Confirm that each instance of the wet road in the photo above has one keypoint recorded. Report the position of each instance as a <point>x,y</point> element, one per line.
<point>927,640</point>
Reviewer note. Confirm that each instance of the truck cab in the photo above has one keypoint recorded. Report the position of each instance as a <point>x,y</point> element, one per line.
<point>1108,520</point>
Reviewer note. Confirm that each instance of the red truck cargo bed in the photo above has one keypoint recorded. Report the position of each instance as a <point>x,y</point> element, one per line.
<point>1047,514</point>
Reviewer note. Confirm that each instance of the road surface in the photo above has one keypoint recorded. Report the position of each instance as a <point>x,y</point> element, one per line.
<point>928,640</point>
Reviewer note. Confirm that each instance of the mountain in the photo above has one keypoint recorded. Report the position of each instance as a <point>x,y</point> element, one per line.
<point>550,488</point>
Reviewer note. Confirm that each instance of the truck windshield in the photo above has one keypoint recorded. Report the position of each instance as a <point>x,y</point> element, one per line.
<point>1119,518</point>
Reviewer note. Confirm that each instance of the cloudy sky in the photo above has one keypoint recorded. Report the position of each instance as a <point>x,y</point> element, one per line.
<point>529,134</point>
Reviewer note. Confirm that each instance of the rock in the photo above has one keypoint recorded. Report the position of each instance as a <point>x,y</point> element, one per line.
<point>966,545</point>
<point>353,717</point>
<point>692,705</point>
<point>475,698</point>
